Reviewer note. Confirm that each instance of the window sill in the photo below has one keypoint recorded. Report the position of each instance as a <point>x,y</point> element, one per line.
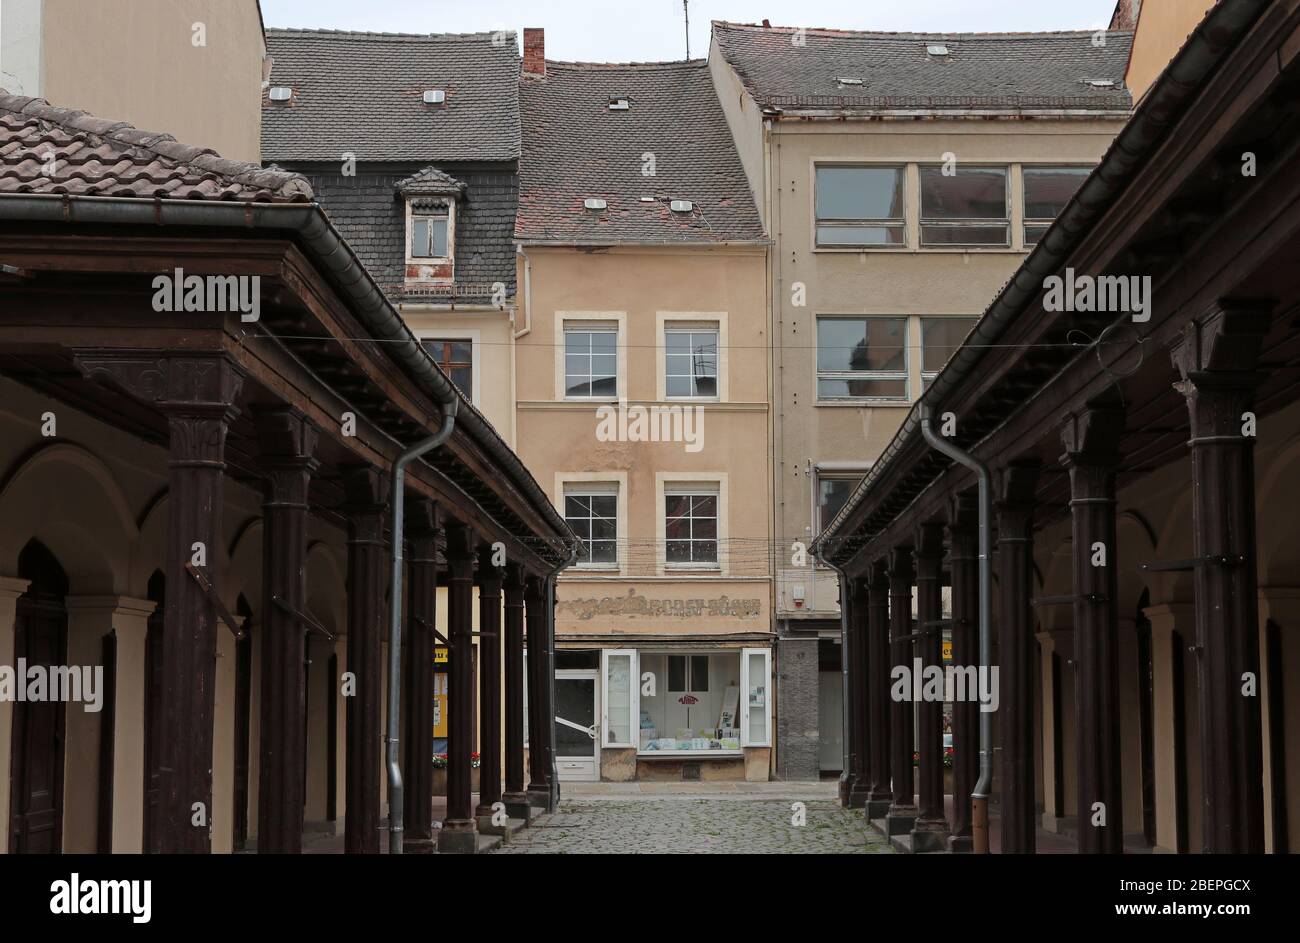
<point>678,754</point>
<point>864,403</point>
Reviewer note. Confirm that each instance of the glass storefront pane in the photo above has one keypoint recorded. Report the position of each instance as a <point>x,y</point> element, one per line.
<point>618,694</point>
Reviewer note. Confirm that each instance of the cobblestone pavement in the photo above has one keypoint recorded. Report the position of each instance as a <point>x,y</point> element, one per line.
<point>754,824</point>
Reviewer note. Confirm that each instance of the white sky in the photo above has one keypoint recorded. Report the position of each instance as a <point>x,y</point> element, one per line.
<point>649,30</point>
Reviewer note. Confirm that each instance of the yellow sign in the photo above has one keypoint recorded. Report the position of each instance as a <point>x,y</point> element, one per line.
<point>440,704</point>
<point>440,655</point>
<point>947,649</point>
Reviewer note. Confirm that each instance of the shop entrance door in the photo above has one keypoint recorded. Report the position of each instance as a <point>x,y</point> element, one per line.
<point>576,726</point>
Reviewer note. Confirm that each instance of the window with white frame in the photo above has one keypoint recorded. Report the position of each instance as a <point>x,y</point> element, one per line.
<point>940,338</point>
<point>755,697</point>
<point>691,525</point>
<point>1047,190</point>
<point>967,207</point>
<point>862,358</point>
<point>591,511</point>
<point>690,362</point>
<point>590,362</point>
<point>430,229</point>
<point>859,206</point>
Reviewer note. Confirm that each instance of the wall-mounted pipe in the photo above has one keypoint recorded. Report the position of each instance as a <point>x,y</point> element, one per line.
<point>980,795</point>
<point>395,787</point>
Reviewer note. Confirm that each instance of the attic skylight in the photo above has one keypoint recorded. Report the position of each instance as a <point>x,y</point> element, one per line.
<point>594,203</point>
<point>848,81</point>
<point>1102,83</point>
<point>280,93</point>
<point>681,206</point>
<point>434,96</point>
<point>936,49</point>
<point>619,104</point>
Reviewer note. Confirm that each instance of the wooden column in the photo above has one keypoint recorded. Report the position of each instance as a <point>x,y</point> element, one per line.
<point>515,796</point>
<point>877,689</point>
<point>1217,357</point>
<point>858,670</point>
<point>1091,438</point>
<point>422,524</point>
<point>490,578</point>
<point>541,731</point>
<point>287,442</point>
<point>847,681</point>
<point>458,833</point>
<point>902,807</point>
<point>1015,519</point>
<point>367,500</point>
<point>931,830</point>
<point>196,391</point>
<point>963,560</point>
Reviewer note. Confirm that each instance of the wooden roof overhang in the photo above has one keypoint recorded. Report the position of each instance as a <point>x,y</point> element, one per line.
<point>1203,231</point>
<point>71,290</point>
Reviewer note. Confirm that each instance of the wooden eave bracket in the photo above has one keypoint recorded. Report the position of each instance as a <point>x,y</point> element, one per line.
<point>303,617</point>
<point>210,591</point>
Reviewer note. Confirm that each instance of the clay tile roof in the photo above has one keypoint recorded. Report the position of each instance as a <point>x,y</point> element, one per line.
<point>98,157</point>
<point>576,147</point>
<point>362,93</point>
<point>790,69</point>
<point>430,180</point>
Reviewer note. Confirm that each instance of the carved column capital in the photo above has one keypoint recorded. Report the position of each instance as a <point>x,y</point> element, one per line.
<point>1223,344</point>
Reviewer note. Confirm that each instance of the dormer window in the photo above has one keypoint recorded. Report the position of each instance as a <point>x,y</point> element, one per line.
<point>431,231</point>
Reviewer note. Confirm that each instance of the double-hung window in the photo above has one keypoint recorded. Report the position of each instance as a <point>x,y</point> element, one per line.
<point>1047,190</point>
<point>591,511</point>
<point>967,207</point>
<point>860,206</point>
<point>430,230</point>
<point>690,362</point>
<point>940,338</point>
<point>862,358</point>
<point>591,362</point>
<point>691,526</point>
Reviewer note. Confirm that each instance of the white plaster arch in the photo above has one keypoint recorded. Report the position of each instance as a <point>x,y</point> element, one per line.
<point>244,574</point>
<point>326,587</point>
<point>66,497</point>
<point>1278,549</point>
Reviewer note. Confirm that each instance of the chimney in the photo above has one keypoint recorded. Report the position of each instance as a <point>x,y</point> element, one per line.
<point>535,52</point>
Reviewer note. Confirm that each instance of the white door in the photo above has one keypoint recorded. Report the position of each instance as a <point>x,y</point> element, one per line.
<point>577,724</point>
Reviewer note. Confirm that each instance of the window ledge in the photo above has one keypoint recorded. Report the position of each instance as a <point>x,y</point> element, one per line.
<point>864,403</point>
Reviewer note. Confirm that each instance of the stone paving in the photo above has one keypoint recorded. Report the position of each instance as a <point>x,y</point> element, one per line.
<point>695,823</point>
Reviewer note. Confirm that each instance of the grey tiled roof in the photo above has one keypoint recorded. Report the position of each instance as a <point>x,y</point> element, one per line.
<point>982,71</point>
<point>361,93</point>
<point>576,147</point>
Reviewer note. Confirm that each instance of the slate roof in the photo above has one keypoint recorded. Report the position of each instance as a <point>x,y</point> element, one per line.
<point>361,93</point>
<point>575,147</point>
<point>430,180</point>
<point>98,157</point>
<point>992,71</point>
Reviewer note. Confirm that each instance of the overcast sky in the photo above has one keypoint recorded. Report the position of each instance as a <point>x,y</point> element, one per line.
<point>648,30</point>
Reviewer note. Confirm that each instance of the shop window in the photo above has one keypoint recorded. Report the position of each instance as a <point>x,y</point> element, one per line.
<point>690,703</point>
<point>690,363</point>
<point>691,527</point>
<point>456,357</point>
<point>940,338</point>
<point>860,206</point>
<point>591,363</point>
<point>592,514</point>
<point>1047,191</point>
<point>862,358</point>
<point>618,696</point>
<point>756,705</point>
<point>967,208</point>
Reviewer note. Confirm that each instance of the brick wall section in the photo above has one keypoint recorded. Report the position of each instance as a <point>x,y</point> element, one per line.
<point>534,51</point>
<point>370,215</point>
<point>797,734</point>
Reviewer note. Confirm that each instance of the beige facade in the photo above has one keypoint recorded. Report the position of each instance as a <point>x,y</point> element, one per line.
<point>1162,28</point>
<point>94,56</point>
<point>641,600</point>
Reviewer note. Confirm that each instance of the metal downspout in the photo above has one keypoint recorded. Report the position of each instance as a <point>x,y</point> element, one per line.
<point>980,795</point>
<point>395,788</point>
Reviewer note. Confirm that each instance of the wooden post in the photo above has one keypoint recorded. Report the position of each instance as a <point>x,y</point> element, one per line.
<point>963,557</point>
<point>931,830</point>
<point>856,591</point>
<point>540,733</point>
<point>902,808</point>
<point>458,833</point>
<point>877,689</point>
<point>515,796</point>
<point>423,525</point>
<point>490,578</point>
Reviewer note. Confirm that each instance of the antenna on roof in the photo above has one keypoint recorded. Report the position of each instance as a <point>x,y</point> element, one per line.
<point>686,8</point>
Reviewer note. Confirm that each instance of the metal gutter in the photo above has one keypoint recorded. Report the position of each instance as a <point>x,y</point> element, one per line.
<point>1160,108</point>
<point>329,250</point>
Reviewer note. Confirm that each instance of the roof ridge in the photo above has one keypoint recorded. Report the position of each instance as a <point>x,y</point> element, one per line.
<point>663,64</point>
<point>907,34</point>
<point>370,34</point>
<point>124,135</point>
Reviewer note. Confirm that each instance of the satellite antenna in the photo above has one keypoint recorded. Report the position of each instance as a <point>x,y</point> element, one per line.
<point>686,8</point>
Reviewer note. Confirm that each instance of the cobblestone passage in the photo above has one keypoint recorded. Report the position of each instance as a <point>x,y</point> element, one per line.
<point>655,825</point>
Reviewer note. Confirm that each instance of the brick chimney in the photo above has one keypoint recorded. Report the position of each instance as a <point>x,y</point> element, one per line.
<point>535,51</point>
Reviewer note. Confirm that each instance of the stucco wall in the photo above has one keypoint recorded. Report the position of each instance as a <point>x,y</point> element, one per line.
<point>1162,28</point>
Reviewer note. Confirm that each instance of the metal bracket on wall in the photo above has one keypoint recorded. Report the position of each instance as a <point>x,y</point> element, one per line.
<point>302,617</point>
<point>433,631</point>
<point>210,591</point>
<point>1234,559</point>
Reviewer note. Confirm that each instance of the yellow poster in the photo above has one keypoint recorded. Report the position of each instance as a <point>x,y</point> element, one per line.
<point>947,649</point>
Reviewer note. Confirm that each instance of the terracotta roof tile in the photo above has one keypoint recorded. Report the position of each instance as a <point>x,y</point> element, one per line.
<point>98,157</point>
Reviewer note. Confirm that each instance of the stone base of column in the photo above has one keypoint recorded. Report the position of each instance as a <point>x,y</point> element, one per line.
<point>900,820</point>
<point>961,844</point>
<point>858,795</point>
<point>877,808</point>
<point>518,805</point>
<point>458,837</point>
<point>929,835</point>
<point>845,789</point>
<point>419,846</point>
<point>539,796</point>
